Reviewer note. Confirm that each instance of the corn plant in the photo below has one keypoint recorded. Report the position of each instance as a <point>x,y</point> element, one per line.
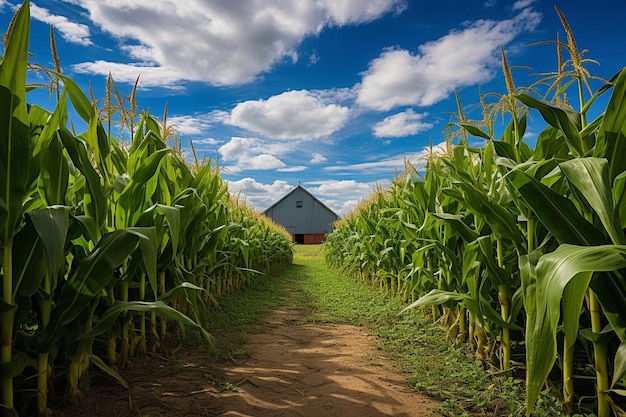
<point>518,239</point>
<point>104,241</point>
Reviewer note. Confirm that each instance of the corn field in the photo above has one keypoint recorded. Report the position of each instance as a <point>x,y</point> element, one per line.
<point>107,245</point>
<point>519,252</point>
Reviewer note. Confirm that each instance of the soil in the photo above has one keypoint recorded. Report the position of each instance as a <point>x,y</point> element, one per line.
<point>290,368</point>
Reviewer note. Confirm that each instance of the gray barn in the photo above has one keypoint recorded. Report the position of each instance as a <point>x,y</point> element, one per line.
<point>304,216</point>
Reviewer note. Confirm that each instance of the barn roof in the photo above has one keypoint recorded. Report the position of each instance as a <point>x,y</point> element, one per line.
<point>293,191</point>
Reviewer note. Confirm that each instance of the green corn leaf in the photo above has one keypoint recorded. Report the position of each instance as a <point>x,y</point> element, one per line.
<point>52,225</point>
<point>435,297</point>
<point>567,121</point>
<point>148,245</point>
<point>172,216</point>
<point>108,370</point>
<point>528,275</point>
<point>619,364</point>
<point>591,177</point>
<point>159,307</point>
<point>15,367</point>
<point>95,136</point>
<point>476,131</point>
<point>54,177</point>
<point>458,225</point>
<point>28,268</point>
<point>15,143</point>
<point>612,133</point>
<point>499,276</point>
<point>505,149</point>
<point>91,276</point>
<point>550,145</point>
<point>610,288</point>
<point>557,213</point>
<point>502,221</point>
<point>96,204</point>
<point>570,266</point>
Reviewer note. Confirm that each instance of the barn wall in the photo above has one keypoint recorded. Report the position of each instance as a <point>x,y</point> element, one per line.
<point>311,218</point>
<point>314,238</point>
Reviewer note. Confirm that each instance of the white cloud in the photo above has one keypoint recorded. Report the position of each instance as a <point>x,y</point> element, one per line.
<point>70,31</point>
<point>461,58</point>
<point>522,4</point>
<point>222,42</point>
<point>151,76</point>
<point>205,141</point>
<point>390,165</point>
<point>314,58</point>
<point>260,195</point>
<point>291,115</point>
<point>189,125</point>
<point>341,196</point>
<point>297,168</point>
<point>402,124</point>
<point>318,158</point>
<point>264,161</point>
<point>252,154</point>
<point>340,188</point>
<point>357,11</point>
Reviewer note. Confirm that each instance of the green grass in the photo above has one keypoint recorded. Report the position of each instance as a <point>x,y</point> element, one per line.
<point>419,347</point>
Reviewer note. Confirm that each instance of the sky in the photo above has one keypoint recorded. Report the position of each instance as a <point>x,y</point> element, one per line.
<point>331,94</point>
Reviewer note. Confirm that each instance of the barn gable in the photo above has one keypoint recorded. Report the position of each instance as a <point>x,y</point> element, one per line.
<point>305,217</point>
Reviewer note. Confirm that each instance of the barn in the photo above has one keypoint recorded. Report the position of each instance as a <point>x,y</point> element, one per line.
<point>304,216</point>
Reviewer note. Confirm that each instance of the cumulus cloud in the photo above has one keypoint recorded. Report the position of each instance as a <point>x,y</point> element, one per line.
<point>402,124</point>
<point>252,154</point>
<point>70,31</point>
<point>264,161</point>
<point>291,115</point>
<point>190,125</point>
<point>357,11</point>
<point>260,195</point>
<point>461,58</point>
<point>341,196</point>
<point>318,158</point>
<point>220,42</point>
<point>151,76</point>
<point>340,188</point>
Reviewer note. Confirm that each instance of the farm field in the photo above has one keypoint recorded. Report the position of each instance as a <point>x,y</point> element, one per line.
<point>309,342</point>
<point>488,278</point>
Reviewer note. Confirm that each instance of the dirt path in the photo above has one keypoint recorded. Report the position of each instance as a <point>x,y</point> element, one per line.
<point>289,369</point>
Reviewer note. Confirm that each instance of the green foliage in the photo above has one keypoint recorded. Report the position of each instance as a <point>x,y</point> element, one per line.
<point>516,251</point>
<point>103,244</point>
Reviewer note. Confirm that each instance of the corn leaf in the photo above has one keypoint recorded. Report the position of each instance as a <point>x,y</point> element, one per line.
<point>567,121</point>
<point>568,265</point>
<point>52,224</point>
<point>591,177</point>
<point>612,133</point>
<point>91,276</point>
<point>160,308</point>
<point>557,213</point>
<point>619,364</point>
<point>15,144</point>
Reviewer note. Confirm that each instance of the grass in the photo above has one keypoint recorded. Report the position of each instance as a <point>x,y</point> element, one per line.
<point>419,347</point>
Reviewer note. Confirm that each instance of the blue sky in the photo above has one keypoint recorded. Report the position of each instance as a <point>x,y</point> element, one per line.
<point>333,94</point>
